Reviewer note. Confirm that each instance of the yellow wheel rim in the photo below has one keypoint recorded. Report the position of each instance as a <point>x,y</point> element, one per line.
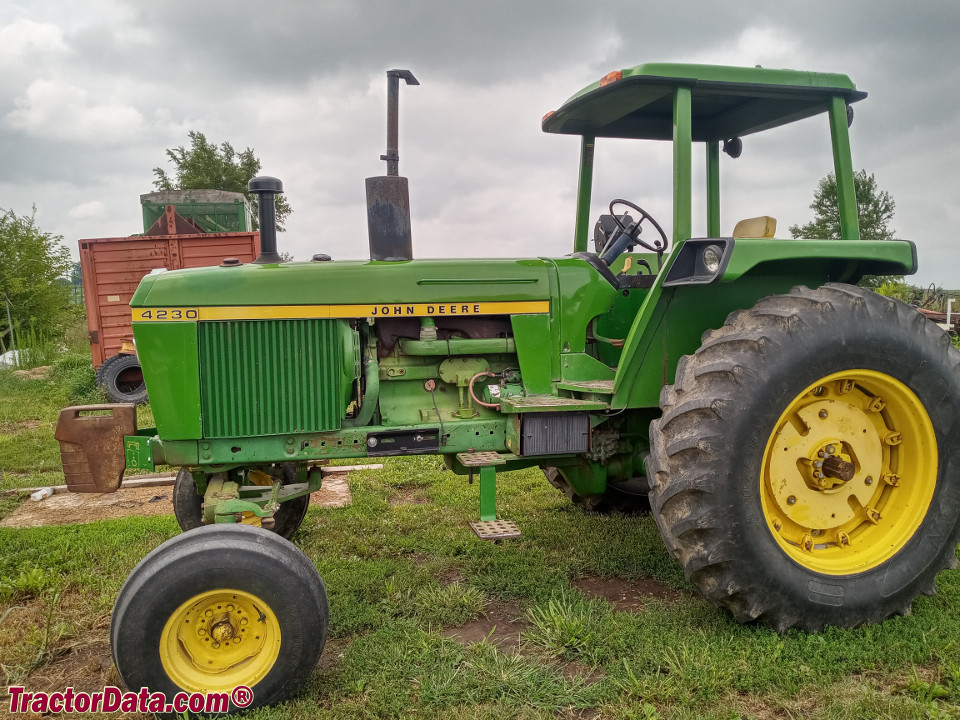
<point>218,640</point>
<point>849,472</point>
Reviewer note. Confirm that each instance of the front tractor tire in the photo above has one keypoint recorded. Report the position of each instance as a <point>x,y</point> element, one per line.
<point>217,608</point>
<point>805,471</point>
<point>188,504</point>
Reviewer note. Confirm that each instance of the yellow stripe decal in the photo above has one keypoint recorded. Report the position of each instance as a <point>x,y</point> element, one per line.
<point>272,312</point>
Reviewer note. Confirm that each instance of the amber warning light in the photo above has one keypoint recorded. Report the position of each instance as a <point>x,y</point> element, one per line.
<point>611,77</point>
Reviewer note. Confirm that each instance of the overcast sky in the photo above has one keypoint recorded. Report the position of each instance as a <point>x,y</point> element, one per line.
<point>92,92</point>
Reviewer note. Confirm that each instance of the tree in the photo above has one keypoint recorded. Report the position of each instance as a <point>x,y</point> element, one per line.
<point>32,265</point>
<point>205,166</point>
<point>875,210</point>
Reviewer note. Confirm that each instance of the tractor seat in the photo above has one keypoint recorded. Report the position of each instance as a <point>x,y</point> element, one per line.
<point>758,227</point>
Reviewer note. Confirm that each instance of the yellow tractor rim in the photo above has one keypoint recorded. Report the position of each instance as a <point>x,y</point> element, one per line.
<point>849,472</point>
<point>218,640</point>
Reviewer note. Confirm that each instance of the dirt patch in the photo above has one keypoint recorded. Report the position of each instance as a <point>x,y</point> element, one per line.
<point>408,495</point>
<point>66,508</point>
<point>626,595</point>
<point>579,713</point>
<point>451,576</point>
<point>576,670</point>
<point>15,427</point>
<point>86,669</point>
<point>334,493</point>
<point>501,624</point>
<point>37,373</point>
<point>333,653</point>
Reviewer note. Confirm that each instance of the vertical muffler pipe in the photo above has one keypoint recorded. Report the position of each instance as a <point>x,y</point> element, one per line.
<point>266,188</point>
<point>388,196</point>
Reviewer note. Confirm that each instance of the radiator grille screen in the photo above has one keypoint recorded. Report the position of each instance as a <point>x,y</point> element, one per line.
<point>268,377</point>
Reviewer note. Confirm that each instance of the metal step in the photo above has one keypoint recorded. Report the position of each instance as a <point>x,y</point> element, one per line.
<point>480,459</point>
<point>495,529</point>
<point>601,387</point>
<point>541,403</point>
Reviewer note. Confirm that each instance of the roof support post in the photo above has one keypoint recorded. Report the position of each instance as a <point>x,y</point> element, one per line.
<point>843,169</point>
<point>682,165</point>
<point>584,192</point>
<point>713,188</point>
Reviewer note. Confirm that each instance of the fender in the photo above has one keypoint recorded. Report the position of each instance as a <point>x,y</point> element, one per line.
<point>685,298</point>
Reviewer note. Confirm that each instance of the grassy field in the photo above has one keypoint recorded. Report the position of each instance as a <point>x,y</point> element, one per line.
<point>406,576</point>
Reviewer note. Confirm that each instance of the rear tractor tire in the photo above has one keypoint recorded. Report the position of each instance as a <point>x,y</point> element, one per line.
<point>805,471</point>
<point>121,378</point>
<point>221,607</point>
<point>628,497</point>
<point>188,504</point>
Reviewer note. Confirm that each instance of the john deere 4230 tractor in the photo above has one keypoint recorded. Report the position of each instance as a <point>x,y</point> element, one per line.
<point>796,437</point>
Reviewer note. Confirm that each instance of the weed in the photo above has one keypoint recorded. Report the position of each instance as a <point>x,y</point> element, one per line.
<point>570,626</point>
<point>940,694</point>
<point>36,348</point>
<point>35,647</point>
<point>449,605</point>
<point>28,583</point>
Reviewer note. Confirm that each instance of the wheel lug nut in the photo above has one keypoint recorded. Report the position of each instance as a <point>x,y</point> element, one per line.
<point>215,645</point>
<point>823,414</point>
<point>209,613</point>
<point>868,480</point>
<point>243,621</point>
<point>821,454</point>
<point>229,607</point>
<point>818,463</point>
<point>791,500</point>
<point>831,449</point>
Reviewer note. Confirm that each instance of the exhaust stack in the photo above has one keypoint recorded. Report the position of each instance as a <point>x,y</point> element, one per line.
<point>388,196</point>
<point>265,188</point>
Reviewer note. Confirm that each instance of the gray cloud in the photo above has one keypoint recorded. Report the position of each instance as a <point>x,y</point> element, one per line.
<point>91,95</point>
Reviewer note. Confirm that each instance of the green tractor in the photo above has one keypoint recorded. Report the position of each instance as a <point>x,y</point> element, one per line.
<point>796,437</point>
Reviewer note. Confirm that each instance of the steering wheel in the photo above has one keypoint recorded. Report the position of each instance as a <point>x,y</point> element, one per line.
<point>633,230</point>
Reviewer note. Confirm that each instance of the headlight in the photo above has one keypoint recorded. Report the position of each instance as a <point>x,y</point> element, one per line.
<point>711,258</point>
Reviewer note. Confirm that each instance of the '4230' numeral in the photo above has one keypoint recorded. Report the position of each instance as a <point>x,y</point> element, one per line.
<point>169,314</point>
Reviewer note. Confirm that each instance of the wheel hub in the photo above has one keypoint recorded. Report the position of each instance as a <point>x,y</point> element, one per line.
<point>832,470</point>
<point>223,630</point>
<point>220,639</point>
<point>831,467</point>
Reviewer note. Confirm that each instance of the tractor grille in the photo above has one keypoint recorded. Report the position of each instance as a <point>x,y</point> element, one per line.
<point>268,377</point>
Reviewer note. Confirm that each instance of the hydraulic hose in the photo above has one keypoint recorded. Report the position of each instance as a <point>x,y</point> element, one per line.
<point>478,401</point>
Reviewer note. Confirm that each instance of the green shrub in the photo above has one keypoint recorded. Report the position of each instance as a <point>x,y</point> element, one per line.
<point>75,372</point>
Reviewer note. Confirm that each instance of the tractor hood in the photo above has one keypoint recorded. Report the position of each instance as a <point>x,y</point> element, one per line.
<point>348,282</point>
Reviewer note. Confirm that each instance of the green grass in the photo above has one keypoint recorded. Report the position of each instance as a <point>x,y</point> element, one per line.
<point>402,568</point>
